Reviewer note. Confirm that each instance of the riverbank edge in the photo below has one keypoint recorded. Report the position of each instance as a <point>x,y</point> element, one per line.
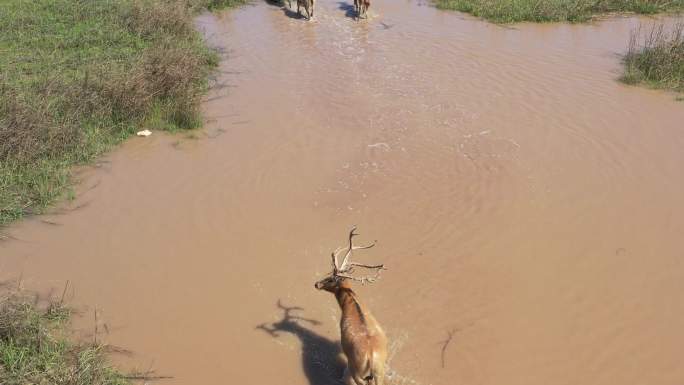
<point>35,347</point>
<point>36,343</point>
<point>573,11</point>
<point>79,78</point>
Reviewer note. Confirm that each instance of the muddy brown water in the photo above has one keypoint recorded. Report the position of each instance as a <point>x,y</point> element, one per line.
<point>522,198</point>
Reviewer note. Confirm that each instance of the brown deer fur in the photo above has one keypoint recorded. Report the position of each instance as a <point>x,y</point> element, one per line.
<point>363,340</point>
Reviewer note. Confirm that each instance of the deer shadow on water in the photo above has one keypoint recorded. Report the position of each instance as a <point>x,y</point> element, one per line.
<point>349,10</point>
<point>321,357</point>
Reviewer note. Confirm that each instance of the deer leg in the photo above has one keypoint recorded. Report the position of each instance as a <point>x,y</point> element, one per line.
<point>346,377</point>
<point>378,376</point>
<point>351,376</point>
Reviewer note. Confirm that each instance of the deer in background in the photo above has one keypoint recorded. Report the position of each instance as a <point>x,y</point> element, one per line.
<point>361,7</point>
<point>363,340</point>
<point>308,6</point>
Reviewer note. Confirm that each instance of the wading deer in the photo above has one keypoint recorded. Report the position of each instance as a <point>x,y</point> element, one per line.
<point>363,341</point>
<point>308,6</point>
<point>361,8</point>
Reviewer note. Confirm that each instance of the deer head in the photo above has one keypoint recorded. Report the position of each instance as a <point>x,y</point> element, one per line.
<point>343,270</point>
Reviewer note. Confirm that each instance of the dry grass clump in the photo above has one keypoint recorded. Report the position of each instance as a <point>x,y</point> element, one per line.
<point>34,348</point>
<point>153,17</point>
<point>28,130</point>
<point>656,58</point>
<point>166,74</point>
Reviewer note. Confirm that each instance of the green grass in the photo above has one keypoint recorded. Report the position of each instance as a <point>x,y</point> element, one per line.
<point>34,348</point>
<point>79,76</point>
<point>656,58</point>
<point>219,4</point>
<point>510,11</point>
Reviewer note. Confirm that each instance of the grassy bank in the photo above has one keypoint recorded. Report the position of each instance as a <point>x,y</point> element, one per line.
<point>656,58</point>
<point>510,11</point>
<point>34,348</point>
<point>78,76</point>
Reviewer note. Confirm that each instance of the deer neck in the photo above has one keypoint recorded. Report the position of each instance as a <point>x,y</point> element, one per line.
<point>349,304</point>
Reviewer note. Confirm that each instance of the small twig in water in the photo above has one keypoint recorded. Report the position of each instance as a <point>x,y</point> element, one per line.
<point>95,336</point>
<point>446,344</point>
<point>94,186</point>
<point>66,287</point>
<point>69,210</point>
<point>381,145</point>
<point>20,281</point>
<point>117,350</point>
<point>145,377</point>
<point>5,236</point>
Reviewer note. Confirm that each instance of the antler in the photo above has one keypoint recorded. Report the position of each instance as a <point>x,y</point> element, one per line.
<point>344,266</point>
<point>335,255</point>
<point>345,269</point>
<point>366,279</point>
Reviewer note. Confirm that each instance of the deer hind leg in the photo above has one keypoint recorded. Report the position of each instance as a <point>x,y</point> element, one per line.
<point>347,377</point>
<point>350,379</point>
<point>378,376</point>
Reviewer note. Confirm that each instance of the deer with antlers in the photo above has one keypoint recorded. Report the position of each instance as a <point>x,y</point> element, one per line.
<point>363,341</point>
